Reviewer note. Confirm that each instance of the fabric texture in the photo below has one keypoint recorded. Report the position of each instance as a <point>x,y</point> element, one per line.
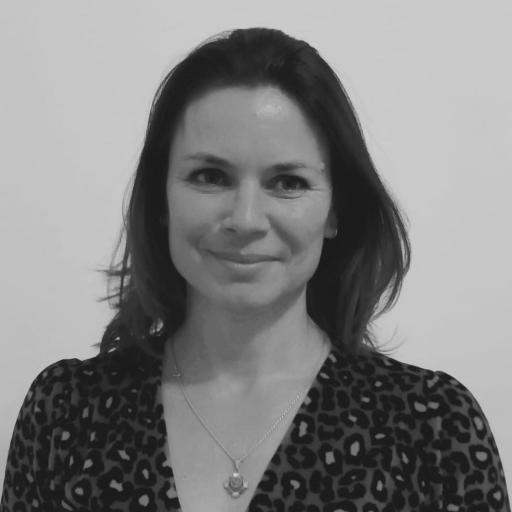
<point>373,434</point>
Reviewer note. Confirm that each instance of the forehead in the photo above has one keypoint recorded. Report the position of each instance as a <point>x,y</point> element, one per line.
<point>265,102</point>
<point>231,118</point>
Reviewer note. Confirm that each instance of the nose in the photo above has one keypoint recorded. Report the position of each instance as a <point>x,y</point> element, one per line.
<point>246,209</point>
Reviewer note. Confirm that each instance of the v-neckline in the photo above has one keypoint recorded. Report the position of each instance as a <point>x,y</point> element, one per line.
<point>286,440</point>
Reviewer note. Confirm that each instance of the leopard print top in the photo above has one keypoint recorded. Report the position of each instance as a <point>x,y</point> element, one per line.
<point>373,434</point>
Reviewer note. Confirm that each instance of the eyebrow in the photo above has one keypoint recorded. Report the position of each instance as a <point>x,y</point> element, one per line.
<point>279,167</point>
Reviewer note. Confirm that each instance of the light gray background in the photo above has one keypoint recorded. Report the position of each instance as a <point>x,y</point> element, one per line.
<point>431,82</point>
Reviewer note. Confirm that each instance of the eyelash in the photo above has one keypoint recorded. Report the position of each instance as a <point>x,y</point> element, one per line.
<point>193,177</point>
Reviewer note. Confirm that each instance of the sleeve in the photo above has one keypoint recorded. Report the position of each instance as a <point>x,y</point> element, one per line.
<point>27,473</point>
<point>469,462</point>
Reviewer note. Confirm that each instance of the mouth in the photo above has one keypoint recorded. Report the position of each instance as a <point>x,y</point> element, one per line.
<point>243,259</point>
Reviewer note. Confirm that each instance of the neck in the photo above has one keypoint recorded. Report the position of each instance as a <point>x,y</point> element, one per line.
<point>242,353</point>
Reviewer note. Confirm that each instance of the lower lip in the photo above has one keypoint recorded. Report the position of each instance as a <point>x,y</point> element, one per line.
<point>240,265</point>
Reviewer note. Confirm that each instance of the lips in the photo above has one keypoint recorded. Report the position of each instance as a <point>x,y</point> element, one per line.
<point>243,258</point>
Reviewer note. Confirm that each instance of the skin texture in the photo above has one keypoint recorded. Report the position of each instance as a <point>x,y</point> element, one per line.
<point>243,323</point>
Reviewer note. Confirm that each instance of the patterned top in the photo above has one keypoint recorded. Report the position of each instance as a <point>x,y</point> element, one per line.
<point>373,434</point>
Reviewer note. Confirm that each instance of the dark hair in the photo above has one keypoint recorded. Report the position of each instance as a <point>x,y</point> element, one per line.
<point>360,272</point>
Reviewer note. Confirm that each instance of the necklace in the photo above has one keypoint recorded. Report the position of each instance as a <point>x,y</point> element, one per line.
<point>236,483</point>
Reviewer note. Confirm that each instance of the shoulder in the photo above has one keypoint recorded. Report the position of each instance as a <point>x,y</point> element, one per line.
<point>425,407</point>
<point>67,381</point>
<point>373,365</point>
<point>425,422</point>
<point>384,381</point>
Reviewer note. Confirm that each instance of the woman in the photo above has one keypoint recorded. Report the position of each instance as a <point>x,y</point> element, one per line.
<point>239,372</point>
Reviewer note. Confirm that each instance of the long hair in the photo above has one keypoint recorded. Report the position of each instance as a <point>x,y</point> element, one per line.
<point>360,272</point>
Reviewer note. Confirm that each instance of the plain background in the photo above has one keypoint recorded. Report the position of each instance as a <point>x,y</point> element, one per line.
<point>431,82</point>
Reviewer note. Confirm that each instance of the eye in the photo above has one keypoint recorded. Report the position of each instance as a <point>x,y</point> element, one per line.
<point>208,171</point>
<point>287,178</point>
<point>216,174</point>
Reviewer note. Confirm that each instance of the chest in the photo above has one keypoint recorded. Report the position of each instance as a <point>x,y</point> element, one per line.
<point>199,464</point>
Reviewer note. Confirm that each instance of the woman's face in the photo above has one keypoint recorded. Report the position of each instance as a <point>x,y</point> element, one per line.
<point>247,175</point>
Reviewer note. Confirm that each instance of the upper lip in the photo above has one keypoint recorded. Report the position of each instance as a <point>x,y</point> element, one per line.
<point>243,257</point>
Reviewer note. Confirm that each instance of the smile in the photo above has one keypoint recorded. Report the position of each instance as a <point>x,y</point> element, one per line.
<point>239,264</point>
<point>243,259</point>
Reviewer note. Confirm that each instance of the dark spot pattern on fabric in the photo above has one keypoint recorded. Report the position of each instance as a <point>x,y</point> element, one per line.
<point>372,435</point>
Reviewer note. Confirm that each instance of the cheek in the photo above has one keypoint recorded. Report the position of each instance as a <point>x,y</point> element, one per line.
<point>181,220</point>
<point>306,220</point>
<point>304,236</point>
<point>189,223</point>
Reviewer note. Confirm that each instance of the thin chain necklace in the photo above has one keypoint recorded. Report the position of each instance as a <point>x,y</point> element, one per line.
<point>236,483</point>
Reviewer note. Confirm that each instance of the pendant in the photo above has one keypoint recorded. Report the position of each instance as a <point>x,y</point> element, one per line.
<point>236,484</point>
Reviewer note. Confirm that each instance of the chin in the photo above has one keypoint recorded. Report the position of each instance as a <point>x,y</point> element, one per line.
<point>242,301</point>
